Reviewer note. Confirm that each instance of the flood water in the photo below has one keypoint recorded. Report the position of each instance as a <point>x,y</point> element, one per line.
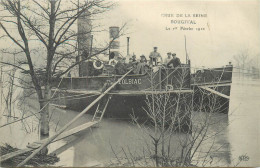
<point>240,134</point>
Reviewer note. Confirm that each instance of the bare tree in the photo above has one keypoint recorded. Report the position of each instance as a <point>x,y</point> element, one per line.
<point>52,22</point>
<point>9,83</point>
<point>8,96</point>
<point>174,133</point>
<point>242,60</point>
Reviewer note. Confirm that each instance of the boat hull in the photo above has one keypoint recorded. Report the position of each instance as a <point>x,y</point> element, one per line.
<point>128,107</point>
<point>212,89</point>
<point>128,96</point>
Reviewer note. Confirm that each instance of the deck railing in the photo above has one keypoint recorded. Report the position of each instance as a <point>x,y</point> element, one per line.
<point>156,78</point>
<point>170,78</point>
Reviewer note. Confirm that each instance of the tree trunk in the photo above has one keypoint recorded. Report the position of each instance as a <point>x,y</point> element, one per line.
<point>156,152</point>
<point>44,119</point>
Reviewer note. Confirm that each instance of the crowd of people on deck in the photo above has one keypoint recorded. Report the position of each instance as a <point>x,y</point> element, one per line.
<point>141,65</point>
<point>120,65</point>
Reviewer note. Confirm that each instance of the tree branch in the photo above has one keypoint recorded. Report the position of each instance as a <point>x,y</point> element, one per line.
<point>11,37</point>
<point>16,66</point>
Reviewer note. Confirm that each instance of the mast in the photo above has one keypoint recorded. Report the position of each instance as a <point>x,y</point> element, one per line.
<point>128,38</point>
<point>187,57</point>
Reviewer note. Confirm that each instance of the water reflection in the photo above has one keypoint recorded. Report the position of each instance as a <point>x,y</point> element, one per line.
<point>244,121</point>
<point>237,133</point>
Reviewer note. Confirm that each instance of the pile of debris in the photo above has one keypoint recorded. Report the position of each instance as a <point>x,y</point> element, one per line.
<point>37,160</point>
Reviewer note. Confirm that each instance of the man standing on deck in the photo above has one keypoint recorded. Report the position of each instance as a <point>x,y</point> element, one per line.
<point>168,59</point>
<point>155,57</point>
<point>140,68</point>
<point>175,61</point>
<point>120,67</point>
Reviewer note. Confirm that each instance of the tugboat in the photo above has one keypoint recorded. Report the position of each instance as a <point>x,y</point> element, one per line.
<point>214,82</point>
<point>130,94</point>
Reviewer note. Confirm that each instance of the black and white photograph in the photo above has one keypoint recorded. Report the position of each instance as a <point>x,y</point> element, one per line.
<point>129,83</point>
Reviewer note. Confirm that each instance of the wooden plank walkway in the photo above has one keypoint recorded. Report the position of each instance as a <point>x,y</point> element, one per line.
<point>214,91</point>
<point>59,132</point>
<point>37,144</point>
<point>219,83</point>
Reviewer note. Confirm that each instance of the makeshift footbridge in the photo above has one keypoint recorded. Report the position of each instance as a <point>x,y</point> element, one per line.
<point>36,147</point>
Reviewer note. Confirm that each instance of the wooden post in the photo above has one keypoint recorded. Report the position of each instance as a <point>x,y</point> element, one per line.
<point>160,78</point>
<point>128,38</point>
<point>72,121</point>
<point>167,78</point>
<point>91,44</point>
<point>71,82</point>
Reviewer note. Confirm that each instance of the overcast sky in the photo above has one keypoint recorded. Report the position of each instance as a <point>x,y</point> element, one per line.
<point>231,26</point>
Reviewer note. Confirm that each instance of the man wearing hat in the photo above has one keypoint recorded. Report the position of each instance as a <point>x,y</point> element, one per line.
<point>175,61</point>
<point>140,65</point>
<point>120,67</point>
<point>143,59</point>
<point>133,60</point>
<point>155,57</point>
<point>168,59</point>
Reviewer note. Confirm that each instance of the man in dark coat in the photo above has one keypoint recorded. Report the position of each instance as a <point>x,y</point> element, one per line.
<point>140,67</point>
<point>175,61</point>
<point>120,67</point>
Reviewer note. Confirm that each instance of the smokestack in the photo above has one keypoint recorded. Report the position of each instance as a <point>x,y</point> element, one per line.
<point>128,38</point>
<point>84,30</point>
<point>115,45</point>
<point>84,39</point>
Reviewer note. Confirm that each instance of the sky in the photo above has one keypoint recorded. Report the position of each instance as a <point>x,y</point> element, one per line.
<point>230,28</point>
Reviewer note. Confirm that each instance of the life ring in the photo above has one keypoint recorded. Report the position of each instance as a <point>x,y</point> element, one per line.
<point>169,87</point>
<point>96,66</point>
<point>112,62</point>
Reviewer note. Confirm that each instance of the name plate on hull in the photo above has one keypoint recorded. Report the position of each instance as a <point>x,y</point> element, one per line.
<point>130,81</point>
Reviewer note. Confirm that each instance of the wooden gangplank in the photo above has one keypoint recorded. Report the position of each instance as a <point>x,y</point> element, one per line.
<point>213,84</point>
<point>52,138</point>
<point>214,91</point>
<point>37,144</point>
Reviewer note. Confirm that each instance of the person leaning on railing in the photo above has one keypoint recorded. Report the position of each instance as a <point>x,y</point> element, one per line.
<point>155,57</point>
<point>168,59</point>
<point>174,62</point>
